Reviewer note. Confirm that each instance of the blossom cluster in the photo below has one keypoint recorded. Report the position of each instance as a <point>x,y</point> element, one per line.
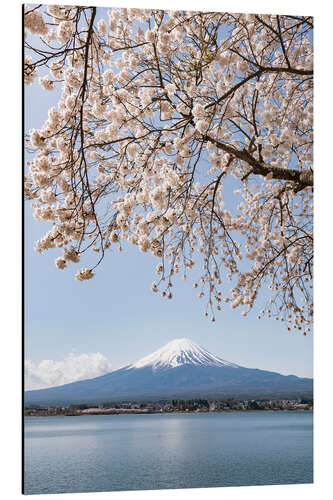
<point>150,126</point>
<point>34,22</point>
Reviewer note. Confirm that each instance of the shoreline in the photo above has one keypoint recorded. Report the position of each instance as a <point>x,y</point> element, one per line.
<point>169,413</point>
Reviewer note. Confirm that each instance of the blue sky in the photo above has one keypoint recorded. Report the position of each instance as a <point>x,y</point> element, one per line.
<point>117,314</point>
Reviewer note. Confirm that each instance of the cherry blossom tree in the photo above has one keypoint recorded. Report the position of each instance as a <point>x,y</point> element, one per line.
<point>160,113</point>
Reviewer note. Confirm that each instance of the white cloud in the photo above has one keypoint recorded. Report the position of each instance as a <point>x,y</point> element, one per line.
<point>50,373</point>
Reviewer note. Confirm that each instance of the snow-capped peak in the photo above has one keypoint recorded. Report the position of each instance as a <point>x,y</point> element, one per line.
<point>180,352</point>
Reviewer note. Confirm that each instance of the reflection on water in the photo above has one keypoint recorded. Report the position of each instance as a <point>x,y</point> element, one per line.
<point>137,452</point>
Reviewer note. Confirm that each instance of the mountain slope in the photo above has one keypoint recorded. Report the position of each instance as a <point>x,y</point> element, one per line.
<point>180,352</point>
<point>179,369</point>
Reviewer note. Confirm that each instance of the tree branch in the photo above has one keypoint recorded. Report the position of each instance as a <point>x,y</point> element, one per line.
<point>303,178</point>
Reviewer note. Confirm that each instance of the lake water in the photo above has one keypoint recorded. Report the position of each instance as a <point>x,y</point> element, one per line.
<point>160,451</point>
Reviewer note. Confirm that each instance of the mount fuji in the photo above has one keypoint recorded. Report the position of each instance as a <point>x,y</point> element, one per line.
<point>180,369</point>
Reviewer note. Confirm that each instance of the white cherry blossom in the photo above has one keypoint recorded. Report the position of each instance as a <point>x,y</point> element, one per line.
<point>165,117</point>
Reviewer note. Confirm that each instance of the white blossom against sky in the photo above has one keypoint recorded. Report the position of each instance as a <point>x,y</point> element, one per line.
<point>117,314</point>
